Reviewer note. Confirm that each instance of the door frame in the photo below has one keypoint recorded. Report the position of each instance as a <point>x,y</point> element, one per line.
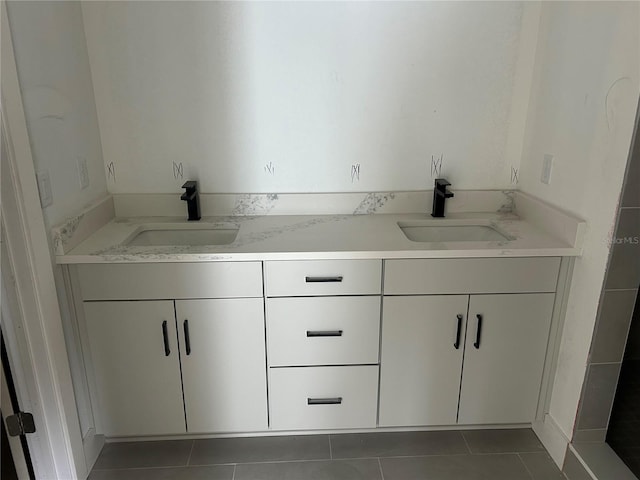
<point>33,327</point>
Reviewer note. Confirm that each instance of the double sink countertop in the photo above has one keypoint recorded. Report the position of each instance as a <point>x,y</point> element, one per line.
<point>533,228</point>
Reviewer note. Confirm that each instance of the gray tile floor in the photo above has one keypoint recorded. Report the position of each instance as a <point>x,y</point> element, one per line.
<point>466,455</point>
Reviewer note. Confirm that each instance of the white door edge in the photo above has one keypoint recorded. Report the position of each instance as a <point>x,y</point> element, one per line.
<point>41,357</point>
<point>15,445</point>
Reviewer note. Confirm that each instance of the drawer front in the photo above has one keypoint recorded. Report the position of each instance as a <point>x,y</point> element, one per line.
<point>170,280</point>
<point>471,275</point>
<point>323,277</point>
<point>323,330</point>
<point>323,397</point>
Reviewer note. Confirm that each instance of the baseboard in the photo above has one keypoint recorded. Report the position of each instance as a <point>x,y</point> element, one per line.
<point>277,433</point>
<point>92,444</point>
<point>553,439</point>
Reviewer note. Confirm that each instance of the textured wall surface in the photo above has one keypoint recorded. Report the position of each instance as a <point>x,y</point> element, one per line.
<point>304,96</point>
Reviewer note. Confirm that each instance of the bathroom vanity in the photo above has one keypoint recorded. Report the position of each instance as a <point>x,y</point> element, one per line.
<point>320,322</point>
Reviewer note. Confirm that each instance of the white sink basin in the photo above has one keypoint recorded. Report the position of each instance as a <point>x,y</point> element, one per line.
<point>173,234</point>
<point>452,231</point>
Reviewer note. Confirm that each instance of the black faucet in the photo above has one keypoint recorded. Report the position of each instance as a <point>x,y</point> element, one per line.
<point>192,199</point>
<point>440,193</point>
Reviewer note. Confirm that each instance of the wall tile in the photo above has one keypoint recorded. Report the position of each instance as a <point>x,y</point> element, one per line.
<point>624,265</point>
<point>632,350</point>
<point>616,310</point>
<point>597,398</point>
<point>589,436</point>
<point>631,196</point>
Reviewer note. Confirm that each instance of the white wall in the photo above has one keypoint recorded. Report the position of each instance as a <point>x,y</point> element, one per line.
<point>582,110</point>
<point>310,88</point>
<point>57,92</point>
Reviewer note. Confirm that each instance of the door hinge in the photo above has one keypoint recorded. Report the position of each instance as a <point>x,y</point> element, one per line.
<point>20,423</point>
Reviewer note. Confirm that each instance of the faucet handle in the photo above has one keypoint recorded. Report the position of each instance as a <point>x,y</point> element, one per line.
<point>442,182</point>
<point>190,185</point>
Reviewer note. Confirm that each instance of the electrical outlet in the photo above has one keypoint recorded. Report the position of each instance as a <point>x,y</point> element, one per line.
<point>44,188</point>
<point>547,167</point>
<point>83,172</point>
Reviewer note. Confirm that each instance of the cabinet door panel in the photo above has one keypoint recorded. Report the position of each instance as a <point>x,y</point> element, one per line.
<point>224,374</point>
<point>501,378</point>
<point>139,387</point>
<point>420,366</point>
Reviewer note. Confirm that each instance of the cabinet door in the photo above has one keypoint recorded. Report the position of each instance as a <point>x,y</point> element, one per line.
<point>138,379</point>
<point>421,360</point>
<point>223,364</point>
<point>503,364</point>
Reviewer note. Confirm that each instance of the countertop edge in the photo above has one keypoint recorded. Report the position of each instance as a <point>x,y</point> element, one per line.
<point>291,256</point>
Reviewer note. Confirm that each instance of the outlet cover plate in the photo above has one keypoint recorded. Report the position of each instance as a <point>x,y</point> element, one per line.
<point>83,172</point>
<point>44,188</point>
<point>547,167</point>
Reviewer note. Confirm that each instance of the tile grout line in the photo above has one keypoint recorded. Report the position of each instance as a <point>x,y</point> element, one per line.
<point>330,448</point>
<point>525,466</point>
<point>233,477</point>
<point>193,444</point>
<point>261,462</point>
<point>466,443</point>
<point>380,467</point>
<point>303,460</point>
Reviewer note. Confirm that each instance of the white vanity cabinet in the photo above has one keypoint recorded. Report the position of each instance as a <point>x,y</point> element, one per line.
<point>192,364</point>
<point>503,363</point>
<point>422,351</point>
<point>185,348</point>
<point>323,322</point>
<point>496,370</point>
<point>134,348</point>
<point>223,364</point>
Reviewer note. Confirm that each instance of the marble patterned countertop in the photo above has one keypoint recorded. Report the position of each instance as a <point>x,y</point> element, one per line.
<point>535,229</point>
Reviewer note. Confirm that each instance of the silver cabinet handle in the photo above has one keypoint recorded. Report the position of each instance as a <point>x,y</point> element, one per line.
<point>335,279</point>
<point>324,401</point>
<point>324,333</point>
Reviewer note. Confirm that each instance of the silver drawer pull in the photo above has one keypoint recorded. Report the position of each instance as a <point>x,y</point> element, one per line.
<point>336,279</point>
<point>324,333</point>
<point>324,401</point>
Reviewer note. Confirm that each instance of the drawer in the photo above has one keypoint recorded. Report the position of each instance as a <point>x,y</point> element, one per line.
<point>323,330</point>
<point>170,280</point>
<point>323,277</point>
<point>323,397</point>
<point>471,275</point>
